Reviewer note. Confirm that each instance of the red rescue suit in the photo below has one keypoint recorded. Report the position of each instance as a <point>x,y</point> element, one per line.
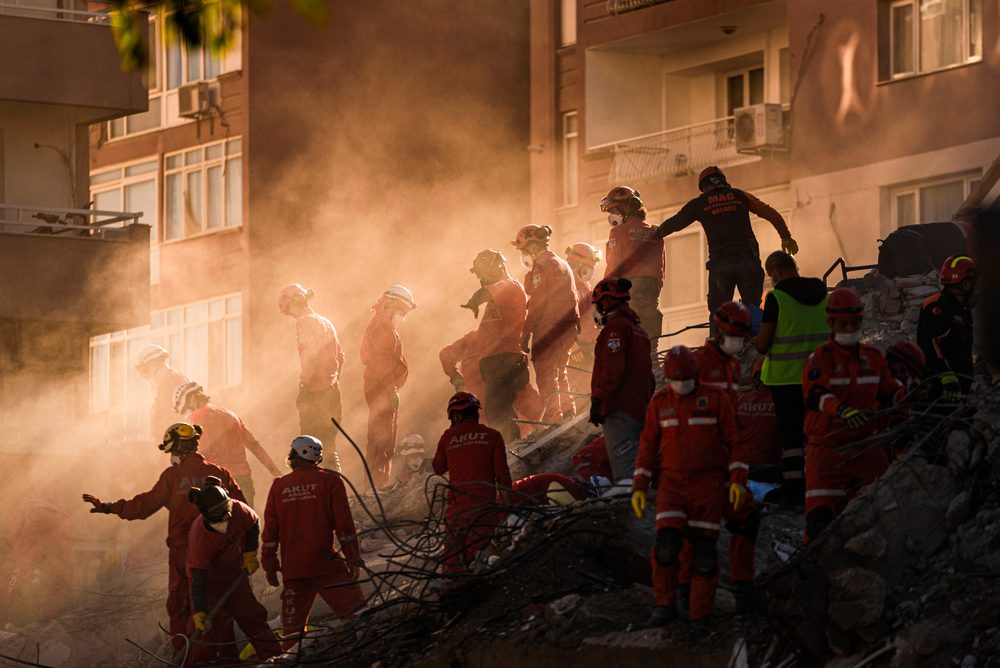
<point>694,443</point>
<point>592,459</point>
<point>552,320</point>
<point>162,415</point>
<point>461,358</point>
<point>534,490</point>
<point>475,458</point>
<point>622,379</point>
<point>385,373</point>
<point>759,427</point>
<point>633,250</point>
<point>305,510</point>
<point>321,360</point>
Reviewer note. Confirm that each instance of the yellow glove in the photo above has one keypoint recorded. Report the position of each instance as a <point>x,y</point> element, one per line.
<point>639,503</point>
<point>250,562</point>
<point>790,246</point>
<point>738,495</point>
<point>202,622</point>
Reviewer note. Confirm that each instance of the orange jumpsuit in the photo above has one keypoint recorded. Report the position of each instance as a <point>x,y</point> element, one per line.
<point>385,373</point>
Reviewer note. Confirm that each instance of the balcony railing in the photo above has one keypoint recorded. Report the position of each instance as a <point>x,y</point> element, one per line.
<point>49,221</point>
<point>33,9</point>
<point>677,152</point>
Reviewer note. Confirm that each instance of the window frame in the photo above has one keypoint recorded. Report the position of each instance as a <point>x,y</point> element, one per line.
<point>165,333</point>
<point>895,192</point>
<point>122,182</point>
<point>570,177</point>
<point>916,36</point>
<point>203,166</point>
<point>567,28</point>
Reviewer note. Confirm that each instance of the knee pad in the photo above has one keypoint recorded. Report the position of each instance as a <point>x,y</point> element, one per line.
<point>817,520</point>
<point>748,526</point>
<point>668,546</point>
<point>704,557</point>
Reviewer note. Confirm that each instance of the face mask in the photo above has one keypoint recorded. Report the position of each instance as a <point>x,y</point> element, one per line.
<point>219,526</point>
<point>526,261</point>
<point>599,318</point>
<point>587,273</point>
<point>615,219</point>
<point>731,344</point>
<point>848,339</point>
<point>397,320</point>
<point>175,460</point>
<point>682,387</point>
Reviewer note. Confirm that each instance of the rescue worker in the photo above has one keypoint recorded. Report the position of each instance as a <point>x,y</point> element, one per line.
<point>306,509</point>
<point>592,460</point>
<point>222,544</point>
<point>475,459</point>
<point>690,436</point>
<point>321,360</point>
<point>164,380</point>
<point>945,328</point>
<point>733,253</point>
<point>794,322</point>
<point>844,381</point>
<point>635,252</point>
<point>503,365</point>
<point>582,259</point>
<point>460,362</point>
<point>622,382</point>
<point>187,468</point>
<point>552,321</point>
<point>411,463</point>
<point>755,414</point>
<point>385,374</point>
<point>225,439</point>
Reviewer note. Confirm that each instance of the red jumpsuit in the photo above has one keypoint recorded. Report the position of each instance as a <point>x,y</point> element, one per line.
<point>533,490</point>
<point>475,458</point>
<point>693,441</point>
<point>592,459</point>
<point>220,557</point>
<point>321,359</point>
<point>462,358</point>
<point>305,510</point>
<point>759,427</point>
<point>636,253</point>
<point>171,492</point>
<point>162,415</point>
<point>552,320</point>
<point>385,373</point>
<point>623,379</point>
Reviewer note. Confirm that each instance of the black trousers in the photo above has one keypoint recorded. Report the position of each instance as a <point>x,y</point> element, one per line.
<point>731,270</point>
<point>505,374</point>
<point>790,409</point>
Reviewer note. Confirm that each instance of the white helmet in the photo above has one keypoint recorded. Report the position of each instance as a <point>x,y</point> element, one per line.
<point>411,445</point>
<point>400,293</point>
<point>182,393</point>
<point>150,353</point>
<point>308,447</point>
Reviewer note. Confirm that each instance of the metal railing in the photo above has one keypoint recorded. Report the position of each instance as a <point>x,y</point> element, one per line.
<point>33,9</point>
<point>23,219</point>
<point>677,152</point>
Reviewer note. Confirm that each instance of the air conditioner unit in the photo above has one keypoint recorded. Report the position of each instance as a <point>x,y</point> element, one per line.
<point>759,126</point>
<point>194,100</point>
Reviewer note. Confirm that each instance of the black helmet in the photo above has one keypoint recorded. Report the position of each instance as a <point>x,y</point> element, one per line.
<point>212,500</point>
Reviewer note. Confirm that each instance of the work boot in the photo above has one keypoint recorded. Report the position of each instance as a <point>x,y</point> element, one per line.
<point>684,600</point>
<point>663,615</point>
<point>743,594</point>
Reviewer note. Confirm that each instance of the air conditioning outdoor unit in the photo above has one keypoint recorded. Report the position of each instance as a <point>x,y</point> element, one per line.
<point>194,100</point>
<point>759,126</point>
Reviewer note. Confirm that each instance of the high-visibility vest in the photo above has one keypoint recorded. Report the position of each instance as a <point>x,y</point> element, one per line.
<point>800,328</point>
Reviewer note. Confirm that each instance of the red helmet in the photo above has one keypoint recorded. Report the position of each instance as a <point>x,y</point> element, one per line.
<point>581,253</point>
<point>290,293</point>
<point>956,269</point>
<point>531,233</point>
<point>618,196</point>
<point>844,304</point>
<point>711,170</point>
<point>680,363</point>
<point>461,401</point>
<point>733,318</point>
<point>616,288</point>
<point>908,354</point>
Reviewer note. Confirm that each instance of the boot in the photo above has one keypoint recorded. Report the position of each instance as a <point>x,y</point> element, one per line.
<point>684,600</point>
<point>663,615</point>
<point>744,597</point>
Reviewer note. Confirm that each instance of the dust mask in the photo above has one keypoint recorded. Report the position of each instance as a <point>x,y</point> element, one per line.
<point>682,387</point>
<point>219,526</point>
<point>175,460</point>
<point>731,344</point>
<point>587,273</point>
<point>848,339</point>
<point>599,318</point>
<point>615,219</point>
<point>526,261</point>
<point>397,320</point>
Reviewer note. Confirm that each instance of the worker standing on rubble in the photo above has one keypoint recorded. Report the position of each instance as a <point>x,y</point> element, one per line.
<point>844,382</point>
<point>187,468</point>
<point>553,319</point>
<point>321,360</point>
<point>622,382</point>
<point>164,380</point>
<point>690,436</point>
<point>945,331</point>
<point>793,324</point>
<point>225,439</point>
<point>385,375</point>
<point>460,362</point>
<point>582,259</point>
<point>733,253</point>
<point>306,510</point>
<point>222,544</point>
<point>635,252</point>
<point>503,365</point>
<point>475,459</point>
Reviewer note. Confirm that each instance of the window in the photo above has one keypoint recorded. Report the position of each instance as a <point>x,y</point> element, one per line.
<point>931,201</point>
<point>928,35</point>
<point>744,88</point>
<point>116,387</point>
<point>204,189</point>
<point>205,339</point>
<point>132,188</point>
<point>684,258</point>
<point>571,167</point>
<point>567,16</point>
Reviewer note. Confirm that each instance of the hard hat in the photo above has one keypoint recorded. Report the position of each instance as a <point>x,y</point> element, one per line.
<point>581,253</point>
<point>733,318</point>
<point>150,353</point>
<point>844,304</point>
<point>531,233</point>
<point>956,269</point>
<point>411,445</point>
<point>290,293</point>
<point>558,494</point>
<point>708,172</point>
<point>616,288</point>
<point>908,354</point>
<point>308,447</point>
<point>680,363</point>
<point>182,393</point>
<point>486,260</point>
<point>461,401</point>
<point>400,294</point>
<point>212,500</point>
<point>180,437</point>
<point>618,196</point>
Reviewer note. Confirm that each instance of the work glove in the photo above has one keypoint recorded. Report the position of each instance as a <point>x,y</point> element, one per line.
<point>638,503</point>
<point>480,297</point>
<point>250,562</point>
<point>789,245</point>
<point>457,381</point>
<point>354,569</point>
<point>951,389</point>
<point>852,417</point>
<point>524,343</point>
<point>393,399</point>
<point>272,578</point>
<point>202,622</point>
<point>596,418</point>
<point>738,495</point>
<point>99,506</point>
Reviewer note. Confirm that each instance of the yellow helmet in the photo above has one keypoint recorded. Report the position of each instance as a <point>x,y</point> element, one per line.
<point>181,437</point>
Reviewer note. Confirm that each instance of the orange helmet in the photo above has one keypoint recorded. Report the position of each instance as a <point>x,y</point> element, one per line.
<point>616,288</point>
<point>581,253</point>
<point>733,318</point>
<point>844,304</point>
<point>461,401</point>
<point>956,269</point>
<point>908,354</point>
<point>618,196</point>
<point>680,363</point>
<point>531,233</point>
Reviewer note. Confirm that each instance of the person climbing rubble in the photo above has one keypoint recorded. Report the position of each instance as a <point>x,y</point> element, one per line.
<point>622,382</point>
<point>475,459</point>
<point>583,259</point>
<point>635,251</point>
<point>163,380</point>
<point>225,439</point>
<point>553,319</point>
<point>690,437</point>
<point>844,382</point>
<point>945,327</point>
<point>306,509</point>
<point>460,362</point>
<point>411,463</point>
<point>187,468</point>
<point>385,374</point>
<point>321,360</point>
